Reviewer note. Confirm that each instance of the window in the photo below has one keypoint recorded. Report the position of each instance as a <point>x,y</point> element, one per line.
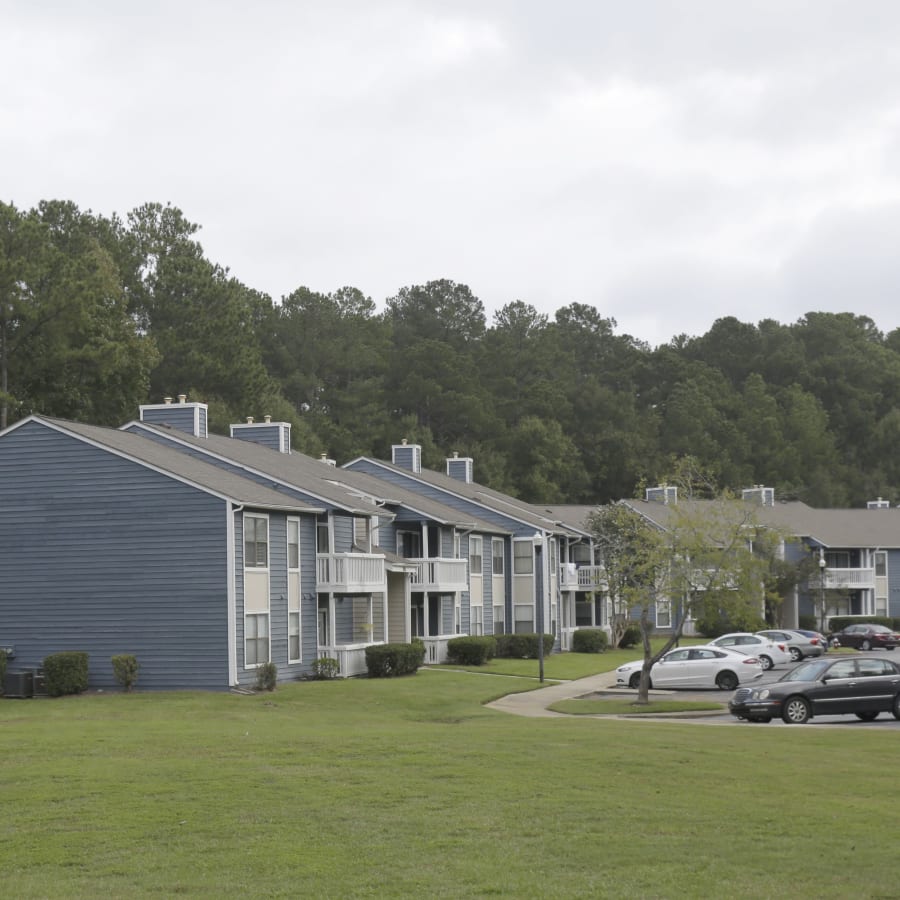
<point>880,564</point>
<point>256,639</point>
<point>409,544</point>
<point>256,542</point>
<point>497,556</point>
<point>498,619</point>
<point>323,538</point>
<point>476,624</point>
<point>663,614</point>
<point>524,618</point>
<point>475,555</point>
<point>523,557</point>
<point>293,554</point>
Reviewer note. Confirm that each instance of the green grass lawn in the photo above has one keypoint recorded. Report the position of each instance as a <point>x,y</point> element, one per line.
<point>412,788</point>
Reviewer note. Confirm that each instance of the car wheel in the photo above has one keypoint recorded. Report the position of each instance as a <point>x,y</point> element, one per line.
<point>795,711</point>
<point>865,645</point>
<point>766,662</point>
<point>868,716</point>
<point>726,681</point>
<point>895,708</point>
<point>635,681</point>
<point>796,655</point>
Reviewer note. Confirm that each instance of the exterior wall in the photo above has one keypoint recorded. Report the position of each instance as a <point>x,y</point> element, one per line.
<point>274,435</point>
<point>187,417</point>
<point>342,533</point>
<point>104,555</point>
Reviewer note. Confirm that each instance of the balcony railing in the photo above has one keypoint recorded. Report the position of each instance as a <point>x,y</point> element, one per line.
<point>436,648</point>
<point>351,658</point>
<point>439,575</point>
<point>848,579</point>
<point>581,578</point>
<point>350,573</point>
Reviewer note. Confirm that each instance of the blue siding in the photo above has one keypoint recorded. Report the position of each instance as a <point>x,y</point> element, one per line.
<point>104,555</point>
<point>343,533</point>
<point>181,416</point>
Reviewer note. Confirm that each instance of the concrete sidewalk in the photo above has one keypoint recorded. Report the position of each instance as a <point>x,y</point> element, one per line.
<point>535,703</point>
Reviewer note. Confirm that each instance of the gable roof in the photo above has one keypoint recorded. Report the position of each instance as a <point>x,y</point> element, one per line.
<point>172,463</point>
<point>487,498</point>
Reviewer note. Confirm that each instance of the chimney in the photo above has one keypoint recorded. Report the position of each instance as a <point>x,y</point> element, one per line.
<point>665,494</point>
<point>878,504</point>
<point>328,462</point>
<point>759,494</point>
<point>275,435</point>
<point>190,418</point>
<point>407,456</point>
<point>460,468</point>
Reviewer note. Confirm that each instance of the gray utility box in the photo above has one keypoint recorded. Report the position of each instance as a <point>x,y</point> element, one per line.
<point>19,683</point>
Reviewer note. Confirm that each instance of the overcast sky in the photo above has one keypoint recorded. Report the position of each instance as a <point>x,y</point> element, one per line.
<point>667,162</point>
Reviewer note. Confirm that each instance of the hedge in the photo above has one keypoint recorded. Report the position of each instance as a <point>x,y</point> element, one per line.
<point>522,646</point>
<point>389,660</point>
<point>471,651</point>
<point>589,640</point>
<point>66,673</point>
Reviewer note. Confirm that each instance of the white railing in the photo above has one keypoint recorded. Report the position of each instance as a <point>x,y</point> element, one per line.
<point>350,572</point>
<point>439,574</point>
<point>351,658</point>
<point>581,578</point>
<point>846,579</point>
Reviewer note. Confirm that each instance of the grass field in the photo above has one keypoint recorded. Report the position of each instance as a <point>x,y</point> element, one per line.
<point>412,788</point>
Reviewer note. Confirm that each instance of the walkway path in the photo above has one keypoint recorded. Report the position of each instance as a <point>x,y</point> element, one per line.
<point>535,703</point>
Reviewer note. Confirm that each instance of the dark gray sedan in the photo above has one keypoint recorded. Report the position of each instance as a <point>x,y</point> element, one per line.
<point>860,686</point>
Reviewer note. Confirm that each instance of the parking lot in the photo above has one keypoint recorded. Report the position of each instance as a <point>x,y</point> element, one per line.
<point>885,720</point>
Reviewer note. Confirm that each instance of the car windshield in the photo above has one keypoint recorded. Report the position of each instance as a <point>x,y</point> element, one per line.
<point>808,671</point>
<point>883,629</point>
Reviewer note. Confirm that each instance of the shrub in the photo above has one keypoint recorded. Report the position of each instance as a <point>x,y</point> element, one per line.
<point>125,668</point>
<point>325,668</point>
<point>589,640</point>
<point>522,646</point>
<point>631,637</point>
<point>471,651</point>
<point>266,676</point>
<point>808,623</point>
<point>389,660</point>
<point>66,673</point>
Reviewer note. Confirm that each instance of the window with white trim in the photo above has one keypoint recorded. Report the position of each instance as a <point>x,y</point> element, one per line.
<point>256,542</point>
<point>476,621</point>
<point>256,639</point>
<point>475,551</point>
<point>663,614</point>
<point>523,557</point>
<point>497,556</point>
<point>293,555</point>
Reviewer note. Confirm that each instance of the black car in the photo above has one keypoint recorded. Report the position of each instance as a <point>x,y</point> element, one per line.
<point>863,686</point>
<point>867,636</point>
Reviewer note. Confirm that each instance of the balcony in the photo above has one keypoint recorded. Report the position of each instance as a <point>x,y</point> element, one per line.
<point>847,579</point>
<point>439,575</point>
<point>350,573</point>
<point>581,578</point>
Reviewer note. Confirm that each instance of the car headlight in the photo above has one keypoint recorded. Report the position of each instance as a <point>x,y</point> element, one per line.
<point>761,694</point>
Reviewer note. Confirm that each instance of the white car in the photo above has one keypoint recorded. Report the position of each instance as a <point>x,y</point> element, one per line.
<point>798,644</point>
<point>694,667</point>
<point>770,653</point>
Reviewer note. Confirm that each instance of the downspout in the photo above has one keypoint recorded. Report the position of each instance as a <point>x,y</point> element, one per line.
<point>231,590</point>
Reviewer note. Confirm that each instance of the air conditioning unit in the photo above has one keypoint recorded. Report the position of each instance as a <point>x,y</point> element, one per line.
<point>19,684</point>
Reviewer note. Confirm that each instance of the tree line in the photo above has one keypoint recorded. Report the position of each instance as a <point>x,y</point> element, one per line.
<point>99,314</point>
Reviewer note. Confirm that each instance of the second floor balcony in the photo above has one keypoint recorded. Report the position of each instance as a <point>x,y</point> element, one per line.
<point>573,577</point>
<point>438,574</point>
<point>350,573</point>
<point>846,579</point>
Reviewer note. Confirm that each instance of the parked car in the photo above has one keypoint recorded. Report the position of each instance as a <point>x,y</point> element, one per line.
<point>867,636</point>
<point>694,667</point>
<point>823,641</point>
<point>769,652</point>
<point>864,686</point>
<point>799,645</point>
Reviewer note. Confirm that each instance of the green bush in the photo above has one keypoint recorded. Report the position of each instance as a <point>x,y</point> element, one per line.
<point>631,637</point>
<point>125,669</point>
<point>589,640</point>
<point>66,673</point>
<point>471,651</point>
<point>390,660</point>
<point>522,646</point>
<point>325,668</point>
<point>808,623</point>
<point>266,676</point>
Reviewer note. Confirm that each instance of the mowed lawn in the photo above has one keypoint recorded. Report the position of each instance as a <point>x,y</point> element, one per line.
<point>412,788</point>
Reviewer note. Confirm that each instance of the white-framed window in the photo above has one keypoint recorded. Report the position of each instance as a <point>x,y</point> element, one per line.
<point>476,621</point>
<point>475,551</point>
<point>323,534</point>
<point>523,618</point>
<point>663,614</point>
<point>523,557</point>
<point>409,544</point>
<point>457,545</point>
<point>497,564</point>
<point>256,541</point>
<point>498,619</point>
<point>293,558</point>
<point>553,555</point>
<point>256,639</point>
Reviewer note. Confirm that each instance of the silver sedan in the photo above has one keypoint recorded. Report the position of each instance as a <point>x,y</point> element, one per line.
<point>799,645</point>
